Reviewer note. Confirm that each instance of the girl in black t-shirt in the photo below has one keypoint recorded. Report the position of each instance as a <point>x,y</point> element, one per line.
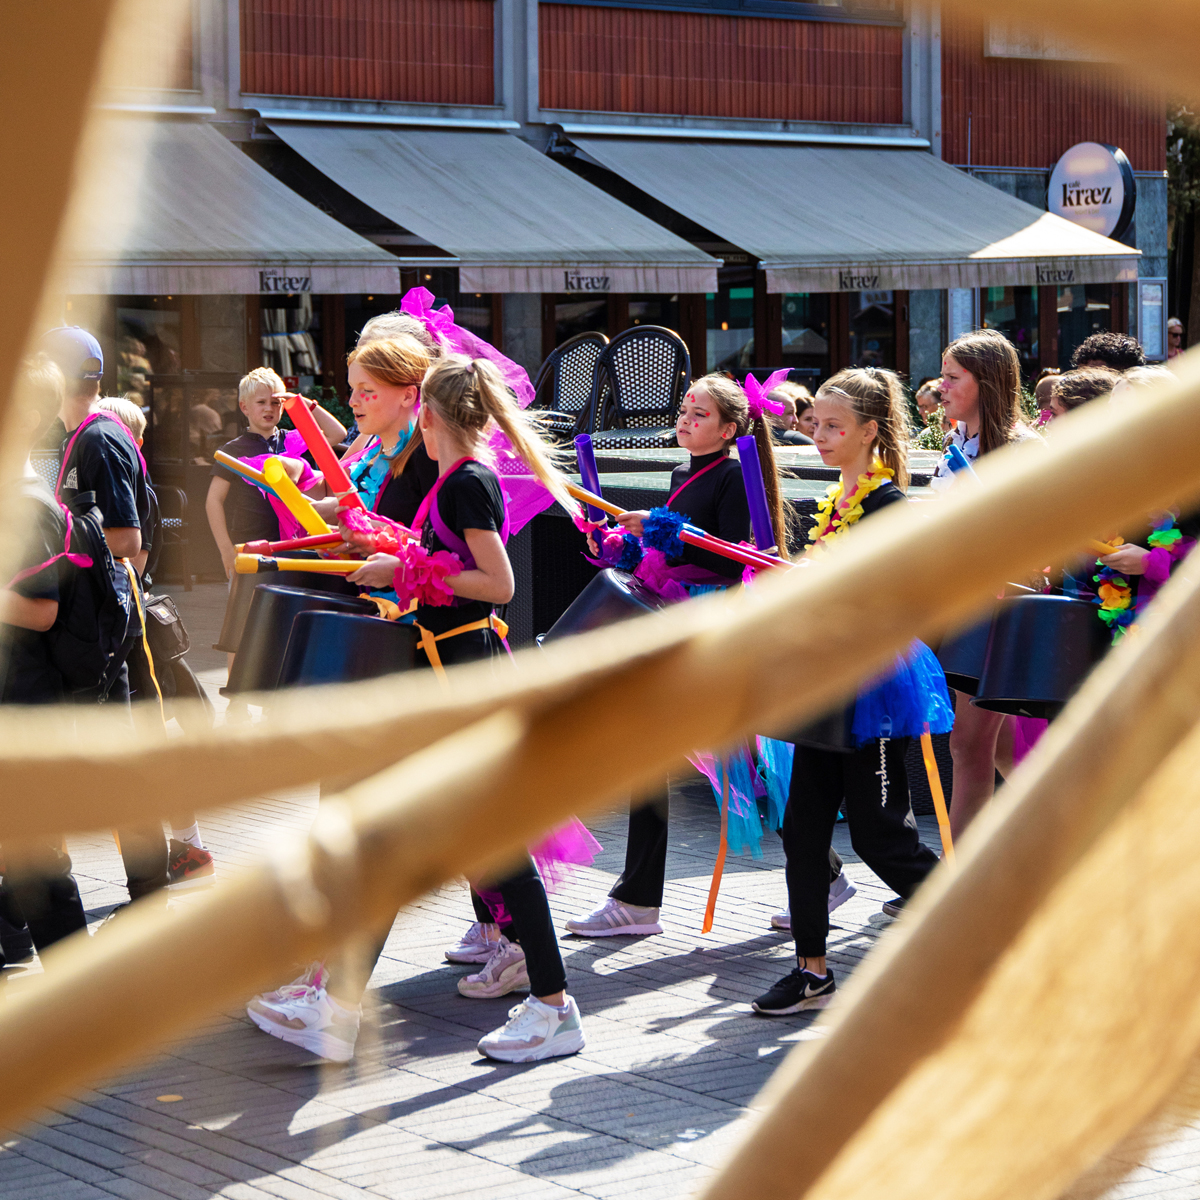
<point>464,514</point>
<point>861,430</point>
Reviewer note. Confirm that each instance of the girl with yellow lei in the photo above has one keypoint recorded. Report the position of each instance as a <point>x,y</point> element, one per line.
<point>861,427</point>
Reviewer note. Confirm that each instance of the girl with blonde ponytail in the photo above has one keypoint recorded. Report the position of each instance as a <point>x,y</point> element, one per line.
<point>464,514</point>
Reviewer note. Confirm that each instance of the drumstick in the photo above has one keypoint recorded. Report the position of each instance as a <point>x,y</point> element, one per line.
<point>244,470</point>
<point>694,537</point>
<point>336,478</point>
<point>257,564</point>
<point>314,542</point>
<point>297,504</point>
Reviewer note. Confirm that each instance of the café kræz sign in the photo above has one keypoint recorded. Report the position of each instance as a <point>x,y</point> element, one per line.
<point>1093,185</point>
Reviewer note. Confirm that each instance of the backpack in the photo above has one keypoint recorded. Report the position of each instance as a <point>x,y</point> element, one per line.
<point>97,621</point>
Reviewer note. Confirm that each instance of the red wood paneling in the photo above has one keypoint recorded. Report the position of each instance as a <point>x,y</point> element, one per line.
<point>1025,113</point>
<point>701,65</point>
<point>421,51</point>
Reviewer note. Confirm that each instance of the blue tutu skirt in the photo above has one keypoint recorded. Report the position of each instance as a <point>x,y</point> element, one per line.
<point>902,703</point>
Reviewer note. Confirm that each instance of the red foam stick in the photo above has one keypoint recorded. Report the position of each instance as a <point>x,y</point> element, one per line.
<point>742,554</point>
<point>336,478</point>
<point>313,542</point>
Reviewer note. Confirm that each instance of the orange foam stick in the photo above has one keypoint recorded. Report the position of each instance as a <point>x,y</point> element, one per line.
<point>719,866</point>
<point>939,797</point>
<point>336,478</point>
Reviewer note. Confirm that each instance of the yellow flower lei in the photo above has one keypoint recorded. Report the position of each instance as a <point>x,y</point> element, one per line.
<point>831,523</point>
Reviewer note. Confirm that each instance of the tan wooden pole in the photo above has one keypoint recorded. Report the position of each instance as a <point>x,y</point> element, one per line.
<point>787,648</point>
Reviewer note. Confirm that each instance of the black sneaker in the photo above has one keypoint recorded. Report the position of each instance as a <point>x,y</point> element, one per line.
<point>894,907</point>
<point>796,992</point>
<point>16,945</point>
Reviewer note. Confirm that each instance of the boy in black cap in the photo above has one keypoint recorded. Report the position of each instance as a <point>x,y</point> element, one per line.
<point>101,456</point>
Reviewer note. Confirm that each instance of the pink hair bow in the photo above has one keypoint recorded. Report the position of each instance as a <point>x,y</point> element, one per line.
<point>756,393</point>
<point>418,302</point>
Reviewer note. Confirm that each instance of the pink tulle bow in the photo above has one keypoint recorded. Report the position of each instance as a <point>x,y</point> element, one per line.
<point>422,576</point>
<point>757,393</point>
<point>369,535</point>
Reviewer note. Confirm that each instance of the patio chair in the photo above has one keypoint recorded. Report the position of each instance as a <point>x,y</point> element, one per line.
<point>640,381</point>
<point>173,521</point>
<point>563,388</point>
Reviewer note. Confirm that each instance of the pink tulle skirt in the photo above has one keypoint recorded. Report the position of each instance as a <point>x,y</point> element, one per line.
<point>556,856</point>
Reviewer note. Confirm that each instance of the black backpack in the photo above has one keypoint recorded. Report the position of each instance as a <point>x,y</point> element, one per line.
<point>98,620</point>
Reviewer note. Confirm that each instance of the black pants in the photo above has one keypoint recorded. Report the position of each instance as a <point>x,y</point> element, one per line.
<point>143,847</point>
<point>871,785</point>
<point>41,889</point>
<point>641,882</point>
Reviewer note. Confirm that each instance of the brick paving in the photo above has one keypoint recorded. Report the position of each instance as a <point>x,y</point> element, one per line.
<point>656,1100</point>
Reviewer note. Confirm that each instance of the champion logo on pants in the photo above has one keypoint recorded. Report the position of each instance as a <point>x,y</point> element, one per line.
<point>882,772</point>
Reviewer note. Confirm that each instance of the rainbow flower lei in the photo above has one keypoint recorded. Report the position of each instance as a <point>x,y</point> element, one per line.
<point>832,522</point>
<point>1113,592</point>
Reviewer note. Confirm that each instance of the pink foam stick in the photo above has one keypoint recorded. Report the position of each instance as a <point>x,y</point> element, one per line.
<point>742,554</point>
<point>336,478</point>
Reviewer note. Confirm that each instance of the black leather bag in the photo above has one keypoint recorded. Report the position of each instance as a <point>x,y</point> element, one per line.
<point>164,629</point>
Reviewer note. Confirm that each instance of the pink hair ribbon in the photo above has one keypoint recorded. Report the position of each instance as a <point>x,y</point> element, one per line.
<point>757,393</point>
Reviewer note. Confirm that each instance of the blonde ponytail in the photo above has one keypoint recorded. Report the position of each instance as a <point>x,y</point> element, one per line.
<point>873,394</point>
<point>466,393</point>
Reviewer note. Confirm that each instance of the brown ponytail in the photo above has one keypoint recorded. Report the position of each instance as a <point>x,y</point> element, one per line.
<point>398,361</point>
<point>733,408</point>
<point>466,393</point>
<point>873,394</point>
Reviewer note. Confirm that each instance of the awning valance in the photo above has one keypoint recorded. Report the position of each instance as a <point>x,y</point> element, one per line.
<point>841,219</point>
<point>517,221</point>
<point>202,218</point>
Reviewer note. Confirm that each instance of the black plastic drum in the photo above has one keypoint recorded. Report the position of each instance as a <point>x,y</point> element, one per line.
<point>962,657</point>
<point>237,607</point>
<point>1039,651</point>
<point>610,597</point>
<point>268,627</point>
<point>339,647</point>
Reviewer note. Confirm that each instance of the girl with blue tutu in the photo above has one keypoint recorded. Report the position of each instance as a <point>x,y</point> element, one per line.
<point>861,429</point>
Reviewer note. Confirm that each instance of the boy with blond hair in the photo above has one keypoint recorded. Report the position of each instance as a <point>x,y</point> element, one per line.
<point>237,511</point>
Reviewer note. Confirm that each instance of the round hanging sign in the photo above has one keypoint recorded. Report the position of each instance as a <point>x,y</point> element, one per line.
<point>1093,185</point>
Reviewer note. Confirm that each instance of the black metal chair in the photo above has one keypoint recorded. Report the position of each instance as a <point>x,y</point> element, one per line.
<point>46,463</point>
<point>640,381</point>
<point>173,522</point>
<point>563,388</point>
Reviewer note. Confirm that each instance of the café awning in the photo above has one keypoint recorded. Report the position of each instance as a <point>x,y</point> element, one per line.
<point>172,207</point>
<point>841,219</point>
<point>515,220</point>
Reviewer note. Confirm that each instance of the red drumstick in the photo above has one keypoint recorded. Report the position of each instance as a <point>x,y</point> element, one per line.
<point>312,542</point>
<point>336,478</point>
<point>742,554</point>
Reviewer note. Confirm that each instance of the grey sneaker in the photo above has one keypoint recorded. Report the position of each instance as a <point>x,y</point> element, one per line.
<point>535,1031</point>
<point>312,1020</point>
<point>613,919</point>
<point>840,890</point>
<point>478,944</point>
<point>504,972</point>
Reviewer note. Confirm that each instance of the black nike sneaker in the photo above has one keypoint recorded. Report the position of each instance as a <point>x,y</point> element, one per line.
<point>795,993</point>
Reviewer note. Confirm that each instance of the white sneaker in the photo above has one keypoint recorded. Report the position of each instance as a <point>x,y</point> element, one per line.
<point>535,1031</point>
<point>504,972</point>
<point>312,1020</point>
<point>477,946</point>
<point>613,918</point>
<point>314,976</point>
<point>840,890</point>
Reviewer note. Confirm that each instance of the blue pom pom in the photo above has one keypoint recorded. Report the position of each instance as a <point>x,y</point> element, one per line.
<point>660,531</point>
<point>631,553</point>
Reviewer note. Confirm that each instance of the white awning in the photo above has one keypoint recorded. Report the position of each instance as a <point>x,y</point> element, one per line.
<point>838,219</point>
<point>200,217</point>
<point>517,221</point>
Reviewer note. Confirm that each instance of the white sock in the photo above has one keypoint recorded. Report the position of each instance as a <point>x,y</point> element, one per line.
<point>190,835</point>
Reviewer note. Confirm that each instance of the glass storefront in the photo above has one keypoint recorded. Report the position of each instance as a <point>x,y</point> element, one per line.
<point>872,329</point>
<point>806,332</point>
<point>730,321</point>
<point>573,315</point>
<point>654,310</point>
<point>290,331</point>
<point>1014,312</point>
<point>1083,309</point>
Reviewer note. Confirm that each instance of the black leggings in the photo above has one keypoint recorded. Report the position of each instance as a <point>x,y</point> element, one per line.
<point>641,882</point>
<point>39,887</point>
<point>871,785</point>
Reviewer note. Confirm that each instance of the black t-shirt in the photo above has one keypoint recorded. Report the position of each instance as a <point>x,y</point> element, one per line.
<point>881,497</point>
<point>105,460</point>
<point>26,674</point>
<point>249,516</point>
<point>402,495</point>
<point>716,503</point>
<point>470,498</point>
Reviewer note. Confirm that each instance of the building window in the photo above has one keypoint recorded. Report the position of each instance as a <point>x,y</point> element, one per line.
<point>872,329</point>
<point>654,310</point>
<point>1083,309</point>
<point>730,311</point>
<point>290,328</point>
<point>1014,312</point>
<point>472,310</point>
<point>806,333</point>
<point>573,316</point>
